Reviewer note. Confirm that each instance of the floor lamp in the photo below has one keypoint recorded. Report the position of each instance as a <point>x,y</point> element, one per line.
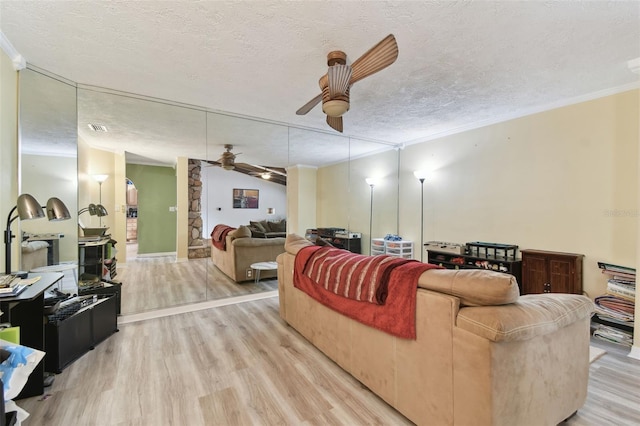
<point>371,182</point>
<point>100,179</point>
<point>421,176</point>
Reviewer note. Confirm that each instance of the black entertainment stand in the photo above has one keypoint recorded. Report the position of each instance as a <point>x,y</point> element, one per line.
<point>478,260</point>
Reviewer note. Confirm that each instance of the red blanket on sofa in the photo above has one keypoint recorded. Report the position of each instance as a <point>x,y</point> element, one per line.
<point>379,291</point>
<point>219,236</point>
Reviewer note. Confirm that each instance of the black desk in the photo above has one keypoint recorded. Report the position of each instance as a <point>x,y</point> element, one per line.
<point>26,311</point>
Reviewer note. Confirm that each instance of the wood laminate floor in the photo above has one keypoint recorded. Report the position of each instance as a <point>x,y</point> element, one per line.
<point>150,283</point>
<point>242,365</point>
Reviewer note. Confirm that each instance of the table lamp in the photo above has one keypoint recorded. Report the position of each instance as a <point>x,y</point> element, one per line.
<point>27,208</point>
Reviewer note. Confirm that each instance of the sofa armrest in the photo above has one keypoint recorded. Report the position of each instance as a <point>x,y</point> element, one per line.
<point>532,315</point>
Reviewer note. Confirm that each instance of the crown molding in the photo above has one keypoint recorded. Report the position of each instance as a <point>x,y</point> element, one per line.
<point>17,59</point>
<point>530,111</point>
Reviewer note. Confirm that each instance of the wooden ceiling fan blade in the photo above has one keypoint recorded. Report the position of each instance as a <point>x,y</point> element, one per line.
<point>375,59</point>
<point>309,105</point>
<point>335,123</point>
<point>339,77</point>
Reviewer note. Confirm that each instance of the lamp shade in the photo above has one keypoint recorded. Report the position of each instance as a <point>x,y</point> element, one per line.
<point>420,174</point>
<point>371,181</point>
<point>28,207</point>
<point>94,210</point>
<point>101,210</point>
<point>56,210</point>
<point>100,178</point>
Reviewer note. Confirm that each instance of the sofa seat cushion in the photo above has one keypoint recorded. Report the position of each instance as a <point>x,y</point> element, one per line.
<point>474,287</point>
<point>275,234</point>
<point>530,316</point>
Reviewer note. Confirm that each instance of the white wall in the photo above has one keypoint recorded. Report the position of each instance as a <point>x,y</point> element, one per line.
<point>562,180</point>
<point>217,190</point>
<point>8,148</point>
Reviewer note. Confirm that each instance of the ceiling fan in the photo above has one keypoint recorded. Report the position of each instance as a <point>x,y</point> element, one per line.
<point>228,158</point>
<point>263,175</point>
<point>336,83</point>
<point>265,172</point>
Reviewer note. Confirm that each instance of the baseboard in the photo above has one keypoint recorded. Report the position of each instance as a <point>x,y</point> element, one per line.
<point>192,307</point>
<point>169,253</point>
<point>635,352</point>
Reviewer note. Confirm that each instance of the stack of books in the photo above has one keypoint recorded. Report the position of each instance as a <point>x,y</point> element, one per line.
<point>614,313</point>
<point>11,285</point>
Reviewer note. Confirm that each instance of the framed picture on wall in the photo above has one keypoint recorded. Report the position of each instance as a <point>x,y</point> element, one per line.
<point>245,198</point>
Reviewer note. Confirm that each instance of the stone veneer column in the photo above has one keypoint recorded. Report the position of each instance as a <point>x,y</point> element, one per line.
<point>198,247</point>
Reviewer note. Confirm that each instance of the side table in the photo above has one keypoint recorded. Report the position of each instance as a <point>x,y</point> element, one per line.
<point>263,266</point>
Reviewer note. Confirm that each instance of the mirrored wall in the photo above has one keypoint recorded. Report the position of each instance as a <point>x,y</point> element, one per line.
<point>163,262</point>
<point>48,166</point>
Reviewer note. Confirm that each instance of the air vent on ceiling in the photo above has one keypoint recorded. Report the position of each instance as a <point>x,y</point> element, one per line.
<point>98,127</point>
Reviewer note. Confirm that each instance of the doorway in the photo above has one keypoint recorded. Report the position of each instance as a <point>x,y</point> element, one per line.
<point>132,219</point>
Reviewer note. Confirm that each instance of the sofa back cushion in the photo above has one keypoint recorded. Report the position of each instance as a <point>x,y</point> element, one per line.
<point>474,287</point>
<point>241,232</point>
<point>259,226</point>
<point>278,226</point>
<point>295,242</point>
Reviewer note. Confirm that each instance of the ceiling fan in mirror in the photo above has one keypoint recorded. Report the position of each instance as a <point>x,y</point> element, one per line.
<point>228,159</point>
<point>266,172</point>
<point>336,83</point>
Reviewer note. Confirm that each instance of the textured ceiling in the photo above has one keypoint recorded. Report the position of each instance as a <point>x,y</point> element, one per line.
<point>461,64</point>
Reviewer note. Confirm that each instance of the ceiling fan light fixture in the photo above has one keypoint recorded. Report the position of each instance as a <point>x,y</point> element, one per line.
<point>335,107</point>
<point>266,175</point>
<point>228,166</point>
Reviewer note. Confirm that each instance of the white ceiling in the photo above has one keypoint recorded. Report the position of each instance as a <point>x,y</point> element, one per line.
<point>461,64</point>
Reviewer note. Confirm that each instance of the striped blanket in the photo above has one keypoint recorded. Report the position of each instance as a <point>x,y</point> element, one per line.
<point>354,276</point>
<point>379,291</point>
<point>219,236</point>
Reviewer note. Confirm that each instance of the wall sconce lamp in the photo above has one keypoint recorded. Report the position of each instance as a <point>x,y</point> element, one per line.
<point>100,179</point>
<point>371,182</point>
<point>28,208</point>
<point>421,175</point>
<point>271,210</point>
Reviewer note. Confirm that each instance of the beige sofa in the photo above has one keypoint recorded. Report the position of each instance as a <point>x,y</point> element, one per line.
<point>242,251</point>
<point>483,354</point>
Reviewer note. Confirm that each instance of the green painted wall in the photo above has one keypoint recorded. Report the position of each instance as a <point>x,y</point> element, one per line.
<point>156,187</point>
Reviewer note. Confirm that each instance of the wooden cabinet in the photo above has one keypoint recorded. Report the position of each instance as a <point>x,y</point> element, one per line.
<point>132,229</point>
<point>551,272</point>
